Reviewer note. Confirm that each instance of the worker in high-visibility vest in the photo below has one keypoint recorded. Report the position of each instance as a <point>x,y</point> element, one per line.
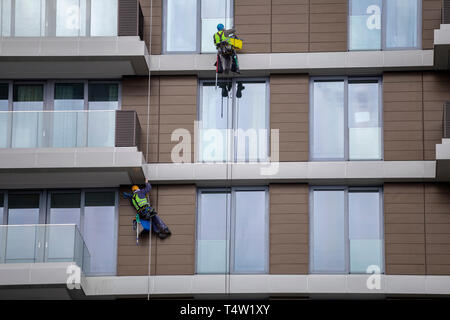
<point>226,55</point>
<point>146,211</point>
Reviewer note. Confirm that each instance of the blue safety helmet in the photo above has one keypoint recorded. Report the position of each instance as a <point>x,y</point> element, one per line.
<point>220,27</point>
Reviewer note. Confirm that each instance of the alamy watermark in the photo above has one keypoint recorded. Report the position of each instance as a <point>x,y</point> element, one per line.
<point>214,146</point>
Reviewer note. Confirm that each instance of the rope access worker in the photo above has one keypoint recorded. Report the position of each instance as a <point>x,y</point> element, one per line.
<point>145,211</point>
<point>226,54</point>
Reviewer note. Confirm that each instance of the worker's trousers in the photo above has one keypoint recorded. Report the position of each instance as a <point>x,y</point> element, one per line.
<point>158,225</point>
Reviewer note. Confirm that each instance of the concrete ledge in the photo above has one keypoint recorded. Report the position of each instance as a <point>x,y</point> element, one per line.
<point>50,273</point>
<point>266,285</point>
<point>302,172</point>
<point>72,57</point>
<point>313,63</point>
<point>70,167</point>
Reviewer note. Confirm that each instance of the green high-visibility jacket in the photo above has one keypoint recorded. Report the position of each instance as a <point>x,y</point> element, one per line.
<point>138,202</point>
<point>219,37</point>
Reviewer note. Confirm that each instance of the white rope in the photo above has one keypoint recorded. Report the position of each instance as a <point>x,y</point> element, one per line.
<point>147,142</point>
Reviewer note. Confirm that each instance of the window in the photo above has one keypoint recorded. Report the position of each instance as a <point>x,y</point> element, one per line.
<point>92,211</point>
<point>346,229</point>
<point>68,125</point>
<point>234,121</point>
<point>100,231</point>
<point>60,18</point>
<point>346,119</point>
<point>190,24</point>
<point>384,24</point>
<point>232,231</point>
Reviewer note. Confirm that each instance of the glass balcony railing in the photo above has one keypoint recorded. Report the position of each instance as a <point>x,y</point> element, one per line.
<point>43,243</point>
<point>57,129</point>
<point>69,129</point>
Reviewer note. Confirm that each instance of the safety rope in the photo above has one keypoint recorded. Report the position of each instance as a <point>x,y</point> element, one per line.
<point>147,149</point>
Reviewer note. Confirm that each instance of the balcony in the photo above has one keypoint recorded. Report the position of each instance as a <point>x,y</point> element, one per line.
<point>49,149</point>
<point>81,39</point>
<point>39,256</point>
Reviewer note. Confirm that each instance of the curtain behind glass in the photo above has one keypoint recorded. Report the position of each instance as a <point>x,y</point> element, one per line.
<point>215,113</point>
<point>401,23</point>
<point>69,127</point>
<point>328,233</point>
<point>104,18</point>
<point>365,231</point>
<point>252,116</point>
<point>5,18</point>
<point>365,25</point>
<point>27,131</point>
<point>364,120</point>
<point>4,115</point>
<point>328,120</point>
<point>212,241</point>
<point>70,18</point>
<point>29,18</point>
<point>181,25</point>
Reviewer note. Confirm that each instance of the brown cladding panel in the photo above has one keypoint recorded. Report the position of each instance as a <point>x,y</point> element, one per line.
<point>435,93</point>
<point>135,97</point>
<point>177,207</point>
<point>403,116</point>
<point>437,222</point>
<point>431,20</point>
<point>328,25</point>
<point>178,110</point>
<point>404,228</point>
<point>154,7</point>
<point>289,229</point>
<point>290,26</point>
<point>251,20</point>
<point>132,260</point>
<point>289,101</point>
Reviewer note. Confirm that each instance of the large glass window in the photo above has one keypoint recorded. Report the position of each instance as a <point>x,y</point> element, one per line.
<point>29,125</point>
<point>199,20</point>
<point>232,234</point>
<point>23,211</point>
<point>61,18</point>
<point>28,100</point>
<point>104,17</point>
<point>243,139</point>
<point>384,24</point>
<point>92,242</point>
<point>346,229</point>
<point>71,18</point>
<point>100,231</point>
<point>4,115</point>
<point>346,119</point>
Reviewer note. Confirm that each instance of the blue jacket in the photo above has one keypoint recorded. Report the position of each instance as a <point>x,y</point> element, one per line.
<point>141,193</point>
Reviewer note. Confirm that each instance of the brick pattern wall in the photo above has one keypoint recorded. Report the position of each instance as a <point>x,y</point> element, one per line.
<point>403,116</point>
<point>252,19</point>
<point>404,218</point>
<point>172,256</point>
<point>290,25</point>
<point>289,112</point>
<point>431,19</point>
<point>289,229</point>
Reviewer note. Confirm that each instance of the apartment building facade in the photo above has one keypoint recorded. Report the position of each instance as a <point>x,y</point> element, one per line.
<point>322,170</point>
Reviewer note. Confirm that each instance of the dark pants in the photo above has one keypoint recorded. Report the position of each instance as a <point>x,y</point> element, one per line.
<point>158,226</point>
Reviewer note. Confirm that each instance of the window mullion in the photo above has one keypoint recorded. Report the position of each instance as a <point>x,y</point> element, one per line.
<point>346,231</point>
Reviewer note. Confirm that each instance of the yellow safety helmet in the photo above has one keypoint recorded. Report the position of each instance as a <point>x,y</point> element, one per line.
<point>134,188</point>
